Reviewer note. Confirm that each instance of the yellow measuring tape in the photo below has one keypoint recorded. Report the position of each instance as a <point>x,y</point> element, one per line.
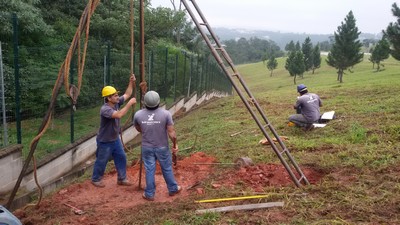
<point>231,199</point>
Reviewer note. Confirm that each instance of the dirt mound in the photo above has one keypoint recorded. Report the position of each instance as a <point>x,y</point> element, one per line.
<point>259,176</point>
<point>98,202</point>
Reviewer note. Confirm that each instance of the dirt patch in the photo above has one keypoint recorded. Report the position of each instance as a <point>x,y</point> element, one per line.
<point>101,205</point>
<point>259,176</point>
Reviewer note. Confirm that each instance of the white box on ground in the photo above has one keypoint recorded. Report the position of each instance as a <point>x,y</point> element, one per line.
<point>328,115</point>
<point>319,125</point>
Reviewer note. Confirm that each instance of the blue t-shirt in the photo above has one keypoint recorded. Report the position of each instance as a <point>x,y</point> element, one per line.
<point>109,127</point>
<point>153,124</point>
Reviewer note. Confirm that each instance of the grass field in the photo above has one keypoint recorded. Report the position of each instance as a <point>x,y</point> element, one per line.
<point>358,152</point>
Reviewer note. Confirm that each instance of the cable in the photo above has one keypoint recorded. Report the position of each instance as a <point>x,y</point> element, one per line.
<point>71,91</point>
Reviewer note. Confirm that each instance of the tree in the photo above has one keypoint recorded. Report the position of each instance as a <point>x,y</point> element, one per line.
<point>316,58</point>
<point>297,46</point>
<point>393,33</point>
<point>325,46</point>
<point>252,50</point>
<point>290,47</point>
<point>306,48</point>
<point>272,64</point>
<point>346,50</point>
<point>380,52</point>
<point>31,25</point>
<point>295,64</point>
<point>368,42</point>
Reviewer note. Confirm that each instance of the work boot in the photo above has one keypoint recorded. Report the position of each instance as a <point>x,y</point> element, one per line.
<point>176,192</point>
<point>98,184</point>
<point>309,127</point>
<point>291,124</point>
<point>147,198</point>
<point>124,183</point>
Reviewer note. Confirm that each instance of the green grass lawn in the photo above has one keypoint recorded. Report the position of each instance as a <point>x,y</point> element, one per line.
<point>358,151</point>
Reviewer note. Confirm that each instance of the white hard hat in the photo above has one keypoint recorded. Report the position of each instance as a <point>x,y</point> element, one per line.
<point>151,99</point>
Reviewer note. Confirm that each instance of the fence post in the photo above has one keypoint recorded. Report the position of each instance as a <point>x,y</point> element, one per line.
<point>151,69</point>
<point>72,124</point>
<point>190,74</point>
<point>108,79</point>
<point>184,74</point>
<point>16,75</point>
<point>176,74</point>
<point>104,70</point>
<point>196,85</point>
<point>165,74</point>
<point>202,88</point>
<point>3,102</point>
<point>207,73</point>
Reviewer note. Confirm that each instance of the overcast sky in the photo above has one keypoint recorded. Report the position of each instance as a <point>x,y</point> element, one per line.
<point>299,16</point>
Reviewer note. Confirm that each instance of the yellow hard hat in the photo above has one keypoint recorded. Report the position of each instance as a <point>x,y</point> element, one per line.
<point>108,90</point>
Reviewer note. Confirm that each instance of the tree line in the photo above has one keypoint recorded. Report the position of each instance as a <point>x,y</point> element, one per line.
<point>46,27</point>
<point>252,50</point>
<point>43,30</point>
<point>345,51</point>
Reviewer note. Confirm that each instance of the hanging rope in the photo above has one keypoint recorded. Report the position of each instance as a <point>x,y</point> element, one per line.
<point>132,40</point>
<point>71,90</point>
<point>143,84</point>
<point>130,117</point>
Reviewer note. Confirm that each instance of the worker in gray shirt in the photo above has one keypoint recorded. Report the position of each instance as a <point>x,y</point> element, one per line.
<point>109,145</point>
<point>307,107</point>
<point>156,126</point>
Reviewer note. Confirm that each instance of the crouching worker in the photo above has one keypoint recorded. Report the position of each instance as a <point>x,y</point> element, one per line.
<point>307,108</point>
<point>109,144</point>
<point>156,125</point>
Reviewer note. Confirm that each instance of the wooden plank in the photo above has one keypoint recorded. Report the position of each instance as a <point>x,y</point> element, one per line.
<point>242,207</point>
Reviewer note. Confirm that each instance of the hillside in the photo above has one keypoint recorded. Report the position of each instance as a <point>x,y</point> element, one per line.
<point>280,38</point>
<point>352,162</point>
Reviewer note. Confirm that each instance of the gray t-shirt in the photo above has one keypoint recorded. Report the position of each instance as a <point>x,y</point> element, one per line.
<point>109,127</point>
<point>153,124</point>
<point>309,104</point>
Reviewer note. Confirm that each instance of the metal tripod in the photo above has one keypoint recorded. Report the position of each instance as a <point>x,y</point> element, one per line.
<point>226,64</point>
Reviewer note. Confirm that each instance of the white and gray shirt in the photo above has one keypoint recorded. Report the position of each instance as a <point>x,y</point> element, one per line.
<point>153,124</point>
<point>309,104</point>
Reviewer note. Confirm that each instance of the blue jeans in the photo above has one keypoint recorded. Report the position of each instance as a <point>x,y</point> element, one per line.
<point>149,156</point>
<point>106,150</point>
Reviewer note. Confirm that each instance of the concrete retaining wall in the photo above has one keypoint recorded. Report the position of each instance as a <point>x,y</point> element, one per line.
<point>190,102</point>
<point>11,163</point>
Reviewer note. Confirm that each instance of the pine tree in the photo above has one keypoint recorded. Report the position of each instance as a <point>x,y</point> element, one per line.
<point>306,48</point>
<point>272,64</point>
<point>298,46</point>
<point>290,47</point>
<point>316,58</point>
<point>379,53</point>
<point>393,33</point>
<point>346,50</point>
<point>295,64</point>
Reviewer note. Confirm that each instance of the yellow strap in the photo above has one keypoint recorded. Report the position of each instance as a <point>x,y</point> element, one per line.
<point>231,199</point>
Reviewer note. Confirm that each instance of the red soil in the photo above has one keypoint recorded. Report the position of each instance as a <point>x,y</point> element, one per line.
<point>97,202</point>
